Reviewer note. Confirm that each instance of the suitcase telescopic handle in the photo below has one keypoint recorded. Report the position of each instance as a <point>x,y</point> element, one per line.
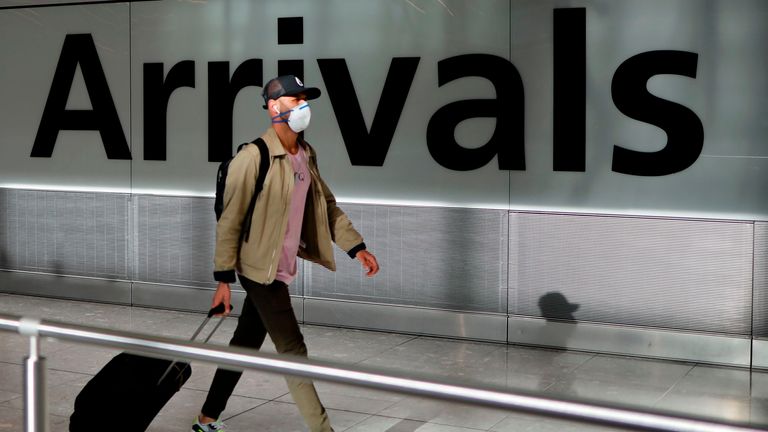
<point>214,311</point>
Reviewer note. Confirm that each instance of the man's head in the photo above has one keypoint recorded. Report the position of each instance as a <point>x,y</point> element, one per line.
<point>285,98</point>
<point>287,85</point>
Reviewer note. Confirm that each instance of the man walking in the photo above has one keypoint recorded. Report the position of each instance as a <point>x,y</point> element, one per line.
<point>295,214</point>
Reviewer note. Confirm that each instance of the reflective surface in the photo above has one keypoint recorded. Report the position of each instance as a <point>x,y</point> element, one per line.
<point>453,272</point>
<point>629,340</point>
<point>725,95</point>
<point>721,393</point>
<point>651,272</point>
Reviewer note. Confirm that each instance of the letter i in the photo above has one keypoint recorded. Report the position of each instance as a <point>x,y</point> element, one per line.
<point>290,31</point>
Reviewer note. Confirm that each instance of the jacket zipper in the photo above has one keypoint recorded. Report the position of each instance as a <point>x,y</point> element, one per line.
<point>271,263</point>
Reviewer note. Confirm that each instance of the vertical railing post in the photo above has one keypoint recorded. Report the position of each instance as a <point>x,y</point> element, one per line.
<point>35,396</point>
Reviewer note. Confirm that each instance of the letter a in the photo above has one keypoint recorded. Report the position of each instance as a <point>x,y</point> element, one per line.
<point>80,49</point>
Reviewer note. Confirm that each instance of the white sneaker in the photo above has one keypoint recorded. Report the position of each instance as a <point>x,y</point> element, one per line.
<point>217,426</point>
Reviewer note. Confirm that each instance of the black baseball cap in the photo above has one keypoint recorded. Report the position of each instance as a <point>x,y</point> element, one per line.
<point>287,85</point>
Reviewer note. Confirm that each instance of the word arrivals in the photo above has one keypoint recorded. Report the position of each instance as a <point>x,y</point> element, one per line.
<point>369,147</point>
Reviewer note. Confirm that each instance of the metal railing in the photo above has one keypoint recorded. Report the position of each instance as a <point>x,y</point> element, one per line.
<point>35,408</point>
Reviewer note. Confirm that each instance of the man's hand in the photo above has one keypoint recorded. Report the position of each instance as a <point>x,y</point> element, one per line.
<point>222,295</point>
<point>369,262</point>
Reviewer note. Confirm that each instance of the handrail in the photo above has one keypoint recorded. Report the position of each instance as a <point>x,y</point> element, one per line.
<point>595,413</point>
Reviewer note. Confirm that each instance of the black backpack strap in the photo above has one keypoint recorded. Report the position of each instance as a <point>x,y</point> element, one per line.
<point>263,168</point>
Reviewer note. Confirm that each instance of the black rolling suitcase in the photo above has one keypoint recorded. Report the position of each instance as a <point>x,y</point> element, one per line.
<point>130,390</point>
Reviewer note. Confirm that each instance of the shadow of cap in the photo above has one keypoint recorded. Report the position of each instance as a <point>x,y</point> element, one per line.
<point>555,305</point>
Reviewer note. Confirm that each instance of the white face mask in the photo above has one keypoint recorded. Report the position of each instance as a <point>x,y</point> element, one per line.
<point>298,117</point>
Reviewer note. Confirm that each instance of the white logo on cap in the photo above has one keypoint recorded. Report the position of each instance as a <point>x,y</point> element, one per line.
<point>298,81</point>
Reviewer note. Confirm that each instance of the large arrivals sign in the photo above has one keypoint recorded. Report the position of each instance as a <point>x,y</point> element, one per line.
<point>641,107</point>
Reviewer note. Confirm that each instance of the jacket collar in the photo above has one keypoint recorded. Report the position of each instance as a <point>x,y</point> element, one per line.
<point>276,147</point>
<point>273,143</point>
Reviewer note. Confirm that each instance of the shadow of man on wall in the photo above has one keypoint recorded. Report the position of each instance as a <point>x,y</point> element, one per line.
<point>560,324</point>
<point>554,306</point>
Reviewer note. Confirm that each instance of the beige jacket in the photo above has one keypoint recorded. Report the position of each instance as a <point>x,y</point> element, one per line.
<point>257,259</point>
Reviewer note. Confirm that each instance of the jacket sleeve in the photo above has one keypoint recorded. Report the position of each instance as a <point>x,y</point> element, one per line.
<point>342,231</point>
<point>238,191</point>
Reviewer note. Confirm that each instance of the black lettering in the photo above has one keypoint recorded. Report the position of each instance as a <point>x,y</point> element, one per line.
<point>685,133</point>
<point>291,67</point>
<point>570,90</point>
<point>290,31</point>
<point>508,108</point>
<point>221,101</point>
<point>157,93</point>
<point>79,49</point>
<point>363,147</point>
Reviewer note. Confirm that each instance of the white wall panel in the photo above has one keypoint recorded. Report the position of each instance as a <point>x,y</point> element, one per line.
<point>31,42</point>
<point>367,36</point>
<point>725,93</point>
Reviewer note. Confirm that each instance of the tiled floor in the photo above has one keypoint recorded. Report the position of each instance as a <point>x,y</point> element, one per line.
<point>262,403</point>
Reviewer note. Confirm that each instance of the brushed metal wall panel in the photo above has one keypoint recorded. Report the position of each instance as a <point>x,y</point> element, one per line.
<point>66,233</point>
<point>193,299</point>
<point>669,273</point>
<point>406,319</point>
<point>760,285</point>
<point>445,258</point>
<point>67,287</point>
<point>760,353</point>
<point>178,297</point>
<point>647,272</point>
<point>635,341</point>
<point>175,241</point>
<point>38,3</point>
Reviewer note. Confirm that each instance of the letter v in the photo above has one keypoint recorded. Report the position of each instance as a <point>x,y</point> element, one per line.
<point>363,147</point>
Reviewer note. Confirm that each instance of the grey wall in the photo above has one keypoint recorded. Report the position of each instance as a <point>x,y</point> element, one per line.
<point>696,275</point>
<point>445,258</point>
<point>726,95</point>
<point>66,233</point>
<point>486,247</point>
<point>760,287</point>
<point>668,273</point>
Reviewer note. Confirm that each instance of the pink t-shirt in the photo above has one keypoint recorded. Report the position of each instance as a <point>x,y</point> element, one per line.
<point>286,267</point>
